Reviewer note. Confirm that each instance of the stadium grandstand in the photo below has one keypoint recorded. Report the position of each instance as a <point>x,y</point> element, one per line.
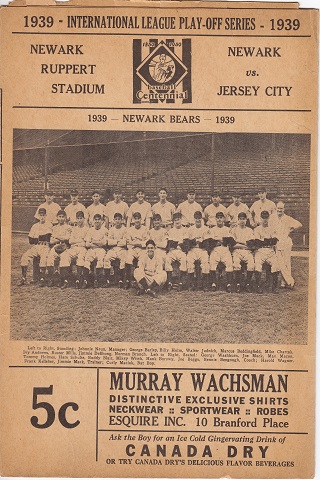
<point>103,160</point>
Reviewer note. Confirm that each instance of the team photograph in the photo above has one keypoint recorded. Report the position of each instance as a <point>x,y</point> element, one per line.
<point>160,237</point>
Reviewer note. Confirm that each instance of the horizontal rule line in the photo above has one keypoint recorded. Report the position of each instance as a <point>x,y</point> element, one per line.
<point>164,109</point>
<point>204,431</point>
<point>164,368</point>
<point>137,34</point>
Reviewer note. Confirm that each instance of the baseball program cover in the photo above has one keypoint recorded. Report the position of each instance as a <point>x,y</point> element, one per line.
<point>158,225</point>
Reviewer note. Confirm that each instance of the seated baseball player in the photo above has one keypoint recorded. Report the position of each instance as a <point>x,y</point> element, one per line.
<point>117,205</point>
<point>176,235</point>
<point>136,243</point>
<point>164,208</point>
<point>212,209</point>
<point>150,275</point>
<point>39,237</point>
<point>241,253</point>
<point>159,235</point>
<point>235,208</point>
<point>188,208</point>
<point>221,252</point>
<point>96,241</point>
<point>73,208</point>
<point>95,207</point>
<point>197,233</point>
<point>59,242</point>
<point>117,242</point>
<point>76,252</point>
<point>141,206</point>
<point>266,254</point>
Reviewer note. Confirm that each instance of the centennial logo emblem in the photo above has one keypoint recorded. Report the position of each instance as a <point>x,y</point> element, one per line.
<point>162,71</point>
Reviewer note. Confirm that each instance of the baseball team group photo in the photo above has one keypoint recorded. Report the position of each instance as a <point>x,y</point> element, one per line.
<point>160,236</point>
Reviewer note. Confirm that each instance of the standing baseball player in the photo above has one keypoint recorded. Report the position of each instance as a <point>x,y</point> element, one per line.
<point>59,242</point>
<point>267,252</point>
<point>241,252</point>
<point>188,208</point>
<point>76,252</point>
<point>176,235</point>
<point>137,237</point>
<point>96,207</point>
<point>221,252</point>
<point>211,210</point>
<point>263,204</point>
<point>237,207</point>
<point>150,274</point>
<point>96,242</point>
<point>73,208</point>
<point>141,206</point>
<point>164,208</point>
<point>50,206</point>
<point>117,205</point>
<point>197,234</point>
<point>284,225</point>
<point>159,235</point>
<point>39,237</point>
<point>117,241</point>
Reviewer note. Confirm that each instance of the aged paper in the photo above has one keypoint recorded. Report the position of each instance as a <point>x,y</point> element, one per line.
<point>158,239</point>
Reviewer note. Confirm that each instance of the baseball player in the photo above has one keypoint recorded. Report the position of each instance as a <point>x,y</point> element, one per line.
<point>50,206</point>
<point>241,252</point>
<point>59,242</point>
<point>150,275</point>
<point>197,233</point>
<point>159,235</point>
<point>77,251</point>
<point>141,206</point>
<point>266,253</point>
<point>117,240</point>
<point>176,235</point>
<point>284,225</point>
<point>96,240</point>
<point>211,210</point>
<point>73,208</point>
<point>117,205</point>
<point>188,209</point>
<point>164,208</point>
<point>95,207</point>
<point>262,204</point>
<point>221,252</point>
<point>137,237</point>
<point>235,208</point>
<point>39,237</point>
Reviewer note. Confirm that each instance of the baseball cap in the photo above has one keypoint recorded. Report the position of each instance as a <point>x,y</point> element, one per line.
<point>197,214</point>
<point>42,211</point>
<point>265,214</point>
<point>176,216</point>
<point>61,212</point>
<point>242,215</point>
<point>117,215</point>
<point>74,192</point>
<point>80,214</point>
<point>97,216</point>
<point>137,215</point>
<point>48,192</point>
<point>157,216</point>
<point>219,215</point>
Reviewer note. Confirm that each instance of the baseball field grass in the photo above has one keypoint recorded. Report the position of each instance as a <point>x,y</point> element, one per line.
<point>113,315</point>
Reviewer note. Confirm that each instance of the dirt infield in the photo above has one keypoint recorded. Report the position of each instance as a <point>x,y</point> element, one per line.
<point>113,315</point>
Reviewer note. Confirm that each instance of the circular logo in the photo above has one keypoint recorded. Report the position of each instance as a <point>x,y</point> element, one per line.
<point>162,68</point>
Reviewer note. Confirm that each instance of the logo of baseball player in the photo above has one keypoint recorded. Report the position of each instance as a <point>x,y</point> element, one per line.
<point>162,71</point>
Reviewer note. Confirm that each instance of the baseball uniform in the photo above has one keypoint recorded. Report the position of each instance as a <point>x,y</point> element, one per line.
<point>144,208</point>
<point>187,211</point>
<point>176,254</point>
<point>220,253</point>
<point>60,234</point>
<point>71,211</point>
<point>117,240</point>
<point>96,235</point>
<point>259,206</point>
<point>39,249</point>
<point>93,209</point>
<point>77,250</point>
<point>112,207</point>
<point>197,253</point>
<point>165,210</point>
<point>242,253</point>
<point>210,213</point>
<point>265,254</point>
<point>136,235</point>
<point>52,210</point>
<point>234,210</point>
<point>151,269</point>
<point>160,238</point>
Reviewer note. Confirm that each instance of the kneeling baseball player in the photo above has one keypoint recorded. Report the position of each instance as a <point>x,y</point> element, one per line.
<point>150,275</point>
<point>39,237</point>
